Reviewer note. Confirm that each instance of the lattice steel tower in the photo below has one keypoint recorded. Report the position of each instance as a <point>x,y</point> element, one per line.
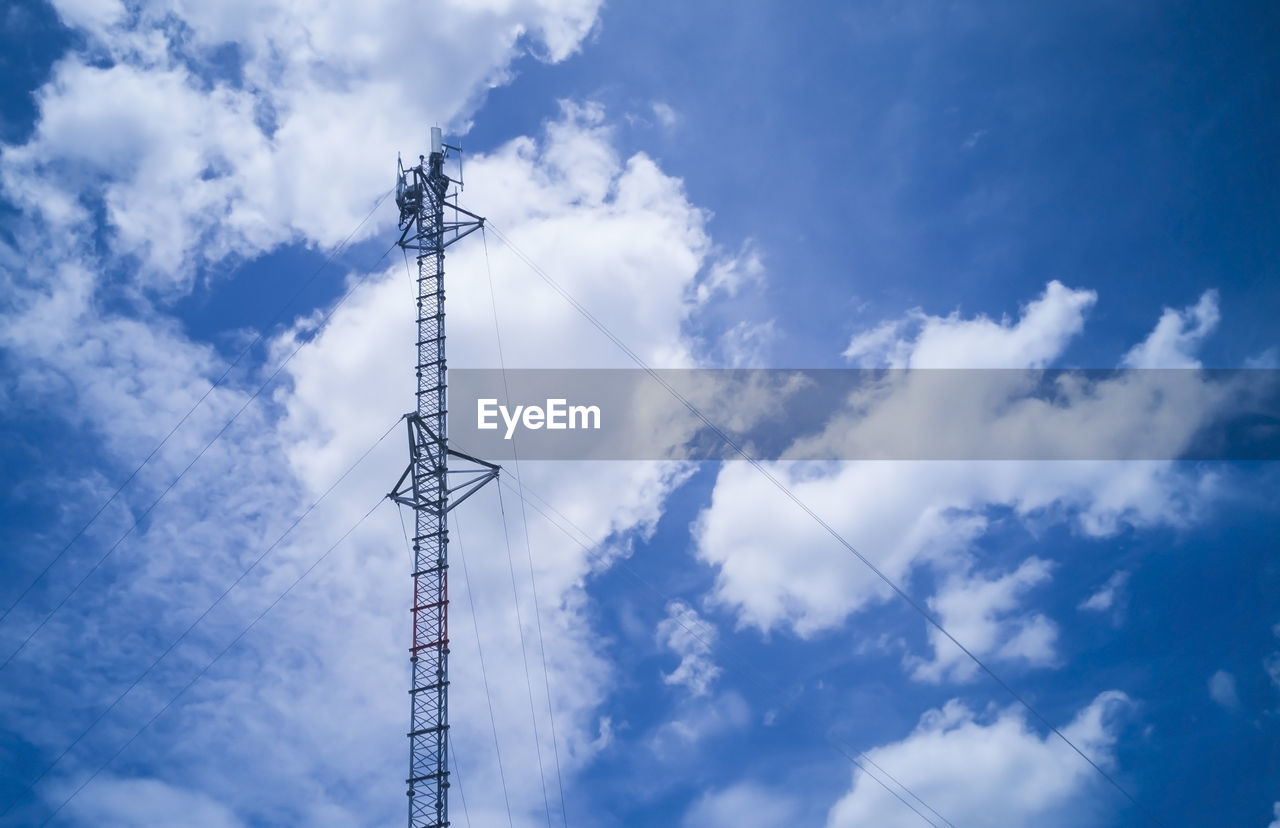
<point>424,193</point>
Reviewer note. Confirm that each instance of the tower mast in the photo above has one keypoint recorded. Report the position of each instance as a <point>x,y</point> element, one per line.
<point>428,486</point>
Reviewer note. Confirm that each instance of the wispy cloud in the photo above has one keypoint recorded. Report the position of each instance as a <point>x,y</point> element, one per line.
<point>690,638</point>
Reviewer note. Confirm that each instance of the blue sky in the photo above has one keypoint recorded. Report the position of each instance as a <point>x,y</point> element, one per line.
<point>921,184</point>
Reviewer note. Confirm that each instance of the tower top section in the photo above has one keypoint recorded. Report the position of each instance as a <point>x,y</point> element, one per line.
<point>424,190</point>
<point>419,186</point>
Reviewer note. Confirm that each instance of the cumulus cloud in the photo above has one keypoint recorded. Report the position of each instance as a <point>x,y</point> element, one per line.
<point>1176,336</point>
<point>920,340</point>
<point>189,168</point>
<point>983,614</point>
<point>622,217</point>
<point>990,770</point>
<point>190,162</point>
<point>776,567</point>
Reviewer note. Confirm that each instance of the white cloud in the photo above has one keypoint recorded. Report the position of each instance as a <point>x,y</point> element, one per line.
<point>920,340</point>
<point>1106,596</point>
<point>776,567</point>
<point>575,206</point>
<point>260,732</point>
<point>982,613</point>
<point>1268,360</point>
<point>731,274</point>
<point>93,15</point>
<point>980,771</point>
<point>664,114</point>
<point>1275,811</point>
<point>745,805</point>
<point>1176,336</point>
<point>189,169</point>
<point>1222,689</point>
<point>691,638</point>
<point>192,166</point>
<point>140,803</point>
<point>698,720</point>
<point>747,344</point>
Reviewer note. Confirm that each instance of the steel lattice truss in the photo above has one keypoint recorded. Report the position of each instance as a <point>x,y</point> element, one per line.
<point>428,486</point>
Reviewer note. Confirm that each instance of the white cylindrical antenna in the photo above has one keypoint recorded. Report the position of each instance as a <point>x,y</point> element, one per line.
<point>437,140</point>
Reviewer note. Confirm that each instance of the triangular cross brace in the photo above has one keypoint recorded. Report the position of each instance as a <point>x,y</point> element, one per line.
<point>422,441</point>
<point>464,224</point>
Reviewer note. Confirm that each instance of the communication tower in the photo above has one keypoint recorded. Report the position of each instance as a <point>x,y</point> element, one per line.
<point>430,221</point>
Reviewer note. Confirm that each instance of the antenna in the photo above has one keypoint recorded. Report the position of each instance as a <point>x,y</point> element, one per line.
<point>428,486</point>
